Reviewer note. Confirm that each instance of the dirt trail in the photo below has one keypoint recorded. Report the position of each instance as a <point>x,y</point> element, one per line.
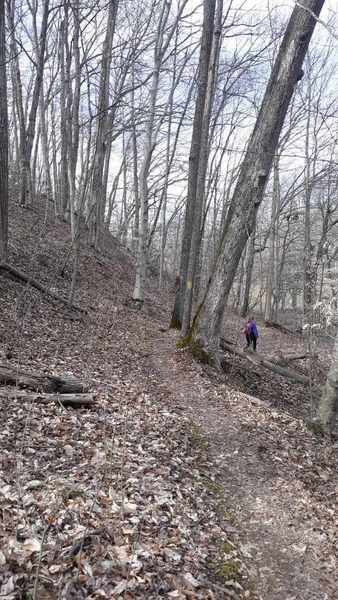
<point>278,517</point>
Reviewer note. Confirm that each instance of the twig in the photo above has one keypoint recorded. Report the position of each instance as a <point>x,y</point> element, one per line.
<point>36,582</point>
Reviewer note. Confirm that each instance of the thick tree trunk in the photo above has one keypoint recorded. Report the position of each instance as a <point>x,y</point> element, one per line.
<point>212,43</point>
<point>98,200</point>
<point>308,291</point>
<point>255,171</point>
<point>26,150</point>
<point>272,250</point>
<point>141,259</point>
<point>64,124</point>
<point>136,222</point>
<point>17,86</point>
<point>249,263</point>
<point>239,290</point>
<point>76,207</point>
<point>194,159</point>
<point>164,196</point>
<point>48,188</point>
<point>3,139</point>
<point>328,405</point>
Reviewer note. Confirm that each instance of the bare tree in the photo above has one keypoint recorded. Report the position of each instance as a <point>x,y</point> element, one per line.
<point>254,172</point>
<point>3,139</point>
<point>28,131</point>
<point>200,127</point>
<point>98,199</point>
<point>212,39</point>
<point>164,36</point>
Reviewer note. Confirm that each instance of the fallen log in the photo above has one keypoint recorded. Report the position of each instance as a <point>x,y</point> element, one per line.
<point>223,339</point>
<point>281,328</point>
<point>285,359</point>
<point>18,275</point>
<point>9,375</point>
<point>72,400</point>
<point>257,360</point>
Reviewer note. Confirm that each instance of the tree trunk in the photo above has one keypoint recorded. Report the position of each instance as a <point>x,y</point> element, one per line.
<point>3,139</point>
<point>98,201</point>
<point>272,251</point>
<point>141,259</point>
<point>75,207</point>
<point>136,222</point>
<point>164,197</point>
<point>212,34</point>
<point>48,189</point>
<point>249,263</point>
<point>308,280</point>
<point>239,293</point>
<point>328,406</point>
<point>26,183</point>
<point>17,84</point>
<point>255,171</point>
<point>194,158</point>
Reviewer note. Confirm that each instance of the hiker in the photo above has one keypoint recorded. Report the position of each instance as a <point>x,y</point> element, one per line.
<point>251,333</point>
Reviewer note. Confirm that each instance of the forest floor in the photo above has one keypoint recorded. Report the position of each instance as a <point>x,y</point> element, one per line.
<point>277,481</point>
<point>178,482</point>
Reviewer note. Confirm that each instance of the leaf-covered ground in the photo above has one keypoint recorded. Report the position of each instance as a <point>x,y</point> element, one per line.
<point>175,483</point>
<point>278,480</point>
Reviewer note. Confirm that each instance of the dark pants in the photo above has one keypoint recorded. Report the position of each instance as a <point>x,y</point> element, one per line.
<point>251,339</point>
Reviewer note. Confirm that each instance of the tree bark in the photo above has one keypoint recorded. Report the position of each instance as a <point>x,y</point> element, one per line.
<point>328,405</point>
<point>194,159</point>
<point>268,313</point>
<point>98,201</point>
<point>26,183</point>
<point>308,279</point>
<point>72,400</point>
<point>136,221</point>
<point>212,38</point>
<point>249,263</point>
<point>39,381</point>
<point>163,39</point>
<point>3,139</point>
<point>254,172</point>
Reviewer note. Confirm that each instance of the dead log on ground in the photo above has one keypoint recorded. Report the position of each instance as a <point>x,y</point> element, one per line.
<point>9,375</point>
<point>285,359</point>
<point>23,278</point>
<point>281,328</point>
<point>223,339</point>
<point>72,400</point>
<point>257,360</point>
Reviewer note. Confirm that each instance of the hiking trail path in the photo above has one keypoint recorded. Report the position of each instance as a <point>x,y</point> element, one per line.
<point>256,449</point>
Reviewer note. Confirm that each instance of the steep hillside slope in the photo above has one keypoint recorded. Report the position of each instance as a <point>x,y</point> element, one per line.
<point>175,483</point>
<point>109,501</point>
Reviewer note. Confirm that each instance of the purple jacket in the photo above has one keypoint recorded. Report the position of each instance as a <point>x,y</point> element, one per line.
<point>253,328</point>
